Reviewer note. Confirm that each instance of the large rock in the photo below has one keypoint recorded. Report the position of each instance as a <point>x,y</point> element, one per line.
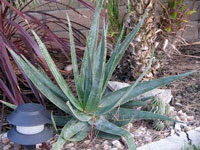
<point>164,94</point>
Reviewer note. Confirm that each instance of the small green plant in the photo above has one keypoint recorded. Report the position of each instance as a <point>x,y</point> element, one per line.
<point>175,15</point>
<point>91,110</point>
<point>159,106</point>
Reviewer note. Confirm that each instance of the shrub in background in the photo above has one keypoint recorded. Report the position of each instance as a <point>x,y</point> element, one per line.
<point>174,18</point>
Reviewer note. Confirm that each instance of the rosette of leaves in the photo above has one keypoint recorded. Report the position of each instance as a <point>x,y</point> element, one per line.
<point>91,110</point>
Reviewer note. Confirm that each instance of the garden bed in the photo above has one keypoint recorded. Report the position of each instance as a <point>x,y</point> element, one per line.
<point>186,100</point>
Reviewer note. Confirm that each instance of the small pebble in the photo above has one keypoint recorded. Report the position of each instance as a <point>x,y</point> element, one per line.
<point>97,146</point>
<point>114,148</point>
<point>68,68</point>
<point>180,112</point>
<point>129,127</point>
<point>5,140</point>
<point>70,145</point>
<point>6,147</point>
<point>105,143</point>
<point>183,118</point>
<point>118,144</point>
<point>106,147</point>
<point>190,118</point>
<point>86,142</point>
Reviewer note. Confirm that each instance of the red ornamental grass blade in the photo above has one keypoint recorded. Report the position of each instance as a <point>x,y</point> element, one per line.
<point>13,8</point>
<point>7,93</point>
<point>26,35</point>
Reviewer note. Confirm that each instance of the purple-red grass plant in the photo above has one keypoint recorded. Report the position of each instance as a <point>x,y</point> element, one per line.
<point>15,25</point>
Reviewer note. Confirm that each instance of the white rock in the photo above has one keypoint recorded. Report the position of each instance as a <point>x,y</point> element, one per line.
<point>97,146</point>
<point>73,148</point>
<point>190,118</point>
<point>114,148</point>
<point>68,68</point>
<point>38,145</point>
<point>173,142</point>
<point>105,142</point>
<point>129,127</point>
<point>70,145</point>
<point>117,85</point>
<point>118,144</point>
<point>6,147</point>
<point>86,142</point>
<point>180,112</point>
<point>106,147</point>
<point>165,94</point>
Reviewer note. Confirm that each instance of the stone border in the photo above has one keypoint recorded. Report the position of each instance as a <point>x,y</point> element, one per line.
<point>174,142</point>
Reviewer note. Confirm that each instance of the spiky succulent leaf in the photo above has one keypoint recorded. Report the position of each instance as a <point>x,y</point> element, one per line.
<point>79,136</point>
<point>132,104</point>
<point>134,114</point>
<point>57,75</point>
<point>61,120</point>
<point>53,122</point>
<point>69,130</point>
<point>99,69</point>
<point>120,50</point>
<point>107,135</point>
<point>79,114</point>
<point>43,76</point>
<point>42,85</point>
<point>121,99</point>
<point>105,126</point>
<point>139,89</point>
<point>91,50</point>
<point>74,64</point>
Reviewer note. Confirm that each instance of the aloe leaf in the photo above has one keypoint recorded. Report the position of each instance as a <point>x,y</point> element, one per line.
<point>132,104</point>
<point>124,114</point>
<point>53,122</point>
<point>40,84</point>
<point>8,104</point>
<point>100,59</point>
<point>79,136</point>
<point>44,78</point>
<point>105,126</point>
<point>120,99</point>
<point>57,75</point>
<point>91,46</point>
<point>108,136</point>
<point>74,62</point>
<point>79,115</point>
<point>116,56</point>
<point>59,144</point>
<point>94,31</point>
<point>88,78</point>
<point>110,63</point>
<point>61,120</point>
<point>73,127</point>
<point>140,89</point>
<point>69,130</point>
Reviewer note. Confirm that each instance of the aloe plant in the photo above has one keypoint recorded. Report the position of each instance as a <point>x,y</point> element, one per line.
<point>91,110</point>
